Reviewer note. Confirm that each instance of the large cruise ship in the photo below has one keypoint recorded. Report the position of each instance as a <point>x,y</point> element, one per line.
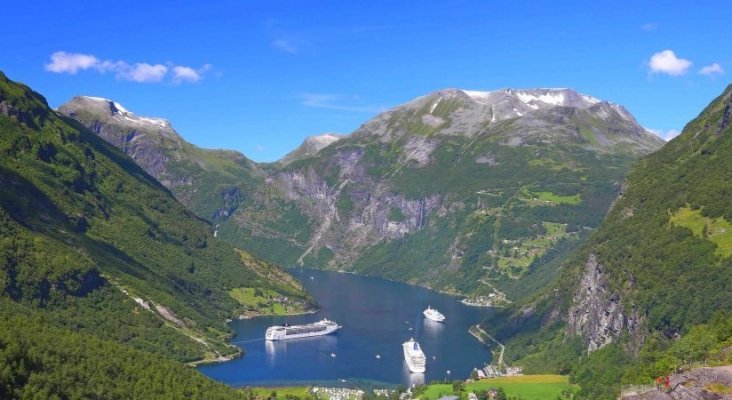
<point>413,355</point>
<point>433,314</point>
<point>322,327</point>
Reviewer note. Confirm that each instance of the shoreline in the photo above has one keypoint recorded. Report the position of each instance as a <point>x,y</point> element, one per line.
<point>240,350</point>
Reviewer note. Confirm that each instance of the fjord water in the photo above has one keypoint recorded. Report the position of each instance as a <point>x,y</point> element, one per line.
<point>377,316</point>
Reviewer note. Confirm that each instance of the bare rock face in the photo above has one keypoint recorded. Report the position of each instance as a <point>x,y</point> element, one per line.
<point>597,314</point>
<point>694,384</point>
<point>347,234</point>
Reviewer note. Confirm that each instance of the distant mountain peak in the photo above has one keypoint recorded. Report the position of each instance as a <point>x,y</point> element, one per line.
<point>536,98</point>
<point>103,106</point>
<point>311,146</point>
<point>518,116</point>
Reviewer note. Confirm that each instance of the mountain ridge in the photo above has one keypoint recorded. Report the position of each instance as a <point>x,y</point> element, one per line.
<point>423,164</point>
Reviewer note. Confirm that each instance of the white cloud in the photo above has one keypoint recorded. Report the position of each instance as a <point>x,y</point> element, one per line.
<point>285,45</point>
<point>337,102</point>
<point>665,135</point>
<point>711,70</point>
<point>143,72</point>
<point>650,26</point>
<point>181,73</point>
<point>187,74</point>
<point>70,63</point>
<point>666,62</point>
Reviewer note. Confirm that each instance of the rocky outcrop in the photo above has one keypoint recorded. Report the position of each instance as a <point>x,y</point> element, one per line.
<point>368,221</point>
<point>597,313</point>
<point>700,383</point>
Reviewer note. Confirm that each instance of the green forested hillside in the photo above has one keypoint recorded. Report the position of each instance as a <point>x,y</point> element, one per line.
<point>39,361</point>
<point>663,255</point>
<point>90,243</point>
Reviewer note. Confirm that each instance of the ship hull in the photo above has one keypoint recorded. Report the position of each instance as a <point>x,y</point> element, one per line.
<point>275,333</point>
<point>433,315</point>
<point>415,366</point>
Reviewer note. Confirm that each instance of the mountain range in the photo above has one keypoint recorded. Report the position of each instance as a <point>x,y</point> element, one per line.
<point>607,250</point>
<point>463,191</point>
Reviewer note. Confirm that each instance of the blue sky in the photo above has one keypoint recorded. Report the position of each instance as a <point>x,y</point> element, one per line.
<point>260,76</point>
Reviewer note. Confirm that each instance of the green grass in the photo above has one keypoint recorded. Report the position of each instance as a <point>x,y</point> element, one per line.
<point>550,198</point>
<point>435,391</point>
<point>717,230</point>
<point>282,392</point>
<point>523,254</point>
<point>262,301</point>
<point>527,387</point>
<point>589,135</point>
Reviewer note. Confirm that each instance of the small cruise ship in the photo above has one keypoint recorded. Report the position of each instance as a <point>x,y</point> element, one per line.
<point>323,327</point>
<point>413,355</point>
<point>433,314</point>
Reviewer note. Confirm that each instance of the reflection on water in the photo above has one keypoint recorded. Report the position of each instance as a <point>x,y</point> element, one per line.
<point>411,378</point>
<point>432,328</point>
<point>377,317</point>
<point>320,347</point>
<point>269,350</point>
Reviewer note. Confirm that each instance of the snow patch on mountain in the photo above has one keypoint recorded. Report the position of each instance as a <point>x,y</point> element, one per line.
<point>120,113</point>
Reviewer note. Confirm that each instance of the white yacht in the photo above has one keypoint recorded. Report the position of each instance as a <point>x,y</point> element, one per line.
<point>413,355</point>
<point>433,314</point>
<point>322,327</point>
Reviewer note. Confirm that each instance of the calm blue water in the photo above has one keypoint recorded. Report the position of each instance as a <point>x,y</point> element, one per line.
<point>377,317</point>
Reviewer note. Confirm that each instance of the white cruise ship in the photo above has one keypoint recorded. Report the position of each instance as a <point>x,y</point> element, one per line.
<point>322,327</point>
<point>433,314</point>
<point>413,355</point>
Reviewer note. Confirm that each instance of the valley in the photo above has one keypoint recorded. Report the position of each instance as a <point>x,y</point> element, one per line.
<point>319,201</point>
<point>461,191</point>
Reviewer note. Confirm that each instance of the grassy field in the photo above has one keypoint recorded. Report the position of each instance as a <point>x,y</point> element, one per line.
<point>718,230</point>
<point>260,300</point>
<point>526,387</point>
<point>549,198</point>
<point>282,392</point>
<point>526,251</point>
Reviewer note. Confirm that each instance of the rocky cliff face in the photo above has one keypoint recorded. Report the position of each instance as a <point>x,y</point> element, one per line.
<point>145,140</point>
<point>597,313</point>
<point>210,182</point>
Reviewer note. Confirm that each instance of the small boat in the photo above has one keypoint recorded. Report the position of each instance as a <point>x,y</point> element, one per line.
<point>433,314</point>
<point>378,356</point>
<point>332,355</point>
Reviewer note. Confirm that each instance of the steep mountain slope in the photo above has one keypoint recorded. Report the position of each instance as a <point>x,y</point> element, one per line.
<point>660,264</point>
<point>91,244</point>
<point>462,191</point>
<point>310,147</point>
<point>458,190</point>
<point>211,183</point>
